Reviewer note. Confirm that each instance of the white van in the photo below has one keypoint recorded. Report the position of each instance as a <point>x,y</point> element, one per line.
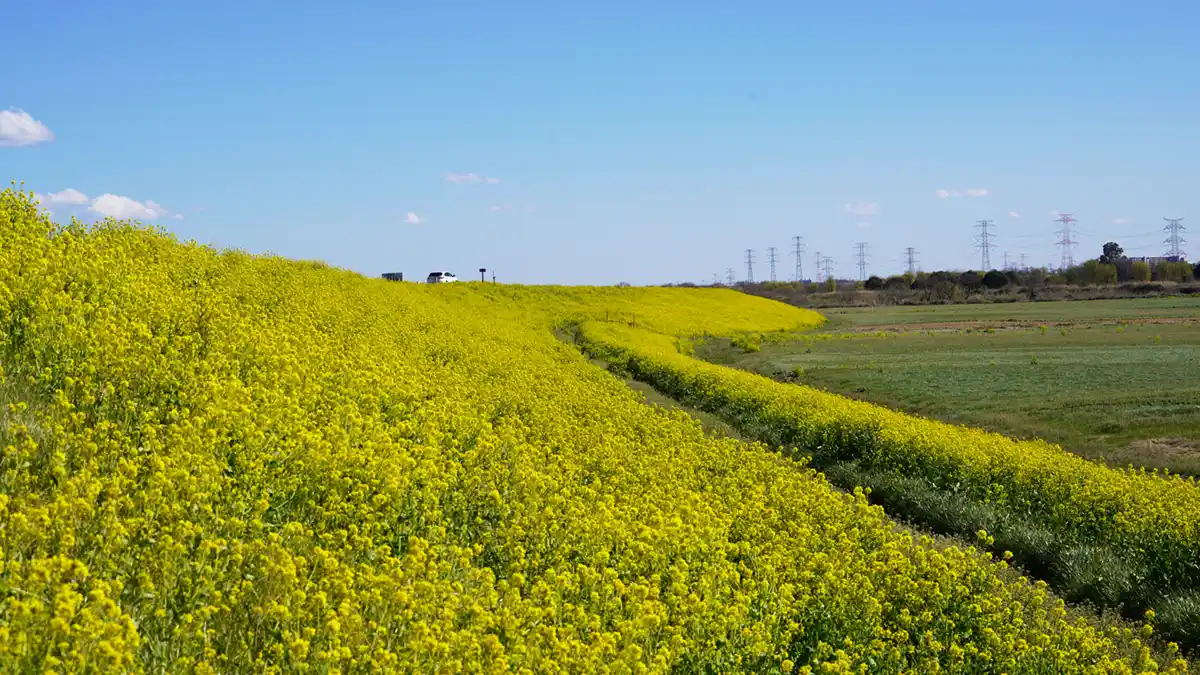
<point>440,278</point>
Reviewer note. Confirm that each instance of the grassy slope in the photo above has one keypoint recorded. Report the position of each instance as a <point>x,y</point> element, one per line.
<point>1128,394</point>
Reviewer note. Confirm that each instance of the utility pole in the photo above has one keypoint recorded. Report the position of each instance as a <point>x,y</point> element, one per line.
<point>771,260</point>
<point>910,257</point>
<point>985,243</point>
<point>1174,240</point>
<point>862,260</point>
<point>798,244</point>
<point>729,275</point>
<point>1065,241</point>
<point>749,265</point>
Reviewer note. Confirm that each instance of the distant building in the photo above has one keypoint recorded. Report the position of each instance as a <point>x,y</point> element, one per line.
<point>1155,260</point>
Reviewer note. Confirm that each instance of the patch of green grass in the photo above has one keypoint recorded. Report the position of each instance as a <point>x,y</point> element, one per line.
<point>1104,392</point>
<point>1061,311</point>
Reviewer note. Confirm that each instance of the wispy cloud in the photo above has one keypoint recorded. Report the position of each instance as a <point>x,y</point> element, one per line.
<point>177,216</point>
<point>862,208</point>
<point>413,219</point>
<point>1013,214</point>
<point>500,207</point>
<point>530,209</point>
<point>470,177</point>
<point>18,127</point>
<point>198,209</point>
<point>1120,221</point>
<point>969,192</point>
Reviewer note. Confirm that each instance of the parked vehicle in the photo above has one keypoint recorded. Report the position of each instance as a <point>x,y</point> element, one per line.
<point>440,278</point>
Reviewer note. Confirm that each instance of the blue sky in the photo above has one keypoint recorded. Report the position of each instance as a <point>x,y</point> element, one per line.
<point>644,142</point>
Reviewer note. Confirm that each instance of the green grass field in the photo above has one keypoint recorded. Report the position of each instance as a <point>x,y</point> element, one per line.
<point>1111,379</point>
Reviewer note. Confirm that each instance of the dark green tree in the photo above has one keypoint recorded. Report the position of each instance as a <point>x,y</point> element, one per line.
<point>1112,253</point>
<point>995,279</point>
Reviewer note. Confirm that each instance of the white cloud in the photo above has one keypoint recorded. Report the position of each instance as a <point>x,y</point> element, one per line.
<point>68,196</point>
<point>197,209</point>
<point>1120,221</point>
<point>500,207</point>
<point>470,177</point>
<point>18,127</point>
<point>970,192</point>
<point>862,208</point>
<point>116,206</point>
<point>413,219</point>
<point>156,208</point>
<point>1013,214</point>
<point>177,216</point>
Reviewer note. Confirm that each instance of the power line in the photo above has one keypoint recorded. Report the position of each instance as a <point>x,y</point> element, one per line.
<point>749,265</point>
<point>1174,240</point>
<point>1065,241</point>
<point>985,243</point>
<point>910,258</point>
<point>798,251</point>
<point>862,261</point>
<point>771,260</point>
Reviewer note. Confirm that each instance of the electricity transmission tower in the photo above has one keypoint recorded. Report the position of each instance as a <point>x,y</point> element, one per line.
<point>862,260</point>
<point>771,260</point>
<point>985,243</point>
<point>1065,241</point>
<point>1022,261</point>
<point>798,250</point>
<point>1174,240</point>
<point>749,265</point>
<point>910,257</point>
<point>1006,264</point>
<point>827,262</point>
<point>729,275</point>
<point>818,257</point>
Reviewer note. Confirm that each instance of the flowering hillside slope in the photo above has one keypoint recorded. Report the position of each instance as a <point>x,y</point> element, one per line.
<point>214,462</point>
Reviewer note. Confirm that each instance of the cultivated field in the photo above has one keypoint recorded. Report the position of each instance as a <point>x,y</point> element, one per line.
<point>1111,379</point>
<point>216,462</point>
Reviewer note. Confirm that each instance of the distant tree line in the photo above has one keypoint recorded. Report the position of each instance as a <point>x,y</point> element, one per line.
<point>1111,268</point>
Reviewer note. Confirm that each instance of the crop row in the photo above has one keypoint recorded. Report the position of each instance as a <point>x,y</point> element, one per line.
<point>216,462</point>
<point>1118,537</point>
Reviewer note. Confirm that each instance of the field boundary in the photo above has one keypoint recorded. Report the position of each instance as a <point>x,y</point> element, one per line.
<point>1083,563</point>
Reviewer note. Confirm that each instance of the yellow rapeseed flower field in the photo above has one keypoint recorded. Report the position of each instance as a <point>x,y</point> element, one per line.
<point>216,462</point>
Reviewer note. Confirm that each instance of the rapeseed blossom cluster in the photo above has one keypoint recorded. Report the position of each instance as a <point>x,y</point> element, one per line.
<point>217,462</point>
